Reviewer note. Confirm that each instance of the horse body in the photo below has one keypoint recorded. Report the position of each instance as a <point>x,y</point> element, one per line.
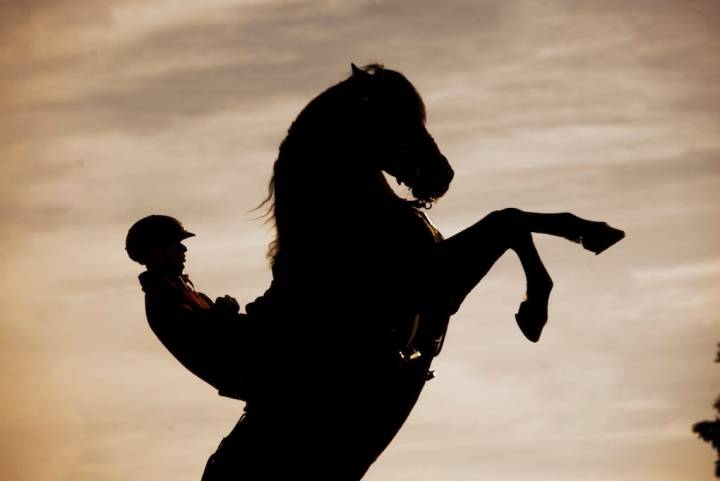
<point>335,318</point>
<point>348,249</point>
<point>347,284</point>
<point>354,268</point>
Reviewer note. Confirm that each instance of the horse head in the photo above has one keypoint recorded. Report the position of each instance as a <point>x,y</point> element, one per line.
<point>339,145</point>
<point>391,115</point>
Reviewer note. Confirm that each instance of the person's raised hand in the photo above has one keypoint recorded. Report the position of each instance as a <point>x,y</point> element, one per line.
<point>228,304</point>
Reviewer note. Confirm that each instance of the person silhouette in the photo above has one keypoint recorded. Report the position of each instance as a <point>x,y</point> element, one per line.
<point>205,336</point>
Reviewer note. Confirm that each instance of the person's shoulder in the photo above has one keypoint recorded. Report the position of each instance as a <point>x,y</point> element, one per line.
<point>153,283</point>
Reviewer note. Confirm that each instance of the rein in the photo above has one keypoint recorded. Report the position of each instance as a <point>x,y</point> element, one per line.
<point>421,204</point>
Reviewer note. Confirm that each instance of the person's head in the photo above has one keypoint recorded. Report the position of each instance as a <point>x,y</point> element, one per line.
<point>156,242</point>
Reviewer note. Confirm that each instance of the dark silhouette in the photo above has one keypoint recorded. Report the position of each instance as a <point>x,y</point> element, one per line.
<point>332,358</point>
<point>709,431</point>
<point>363,284</point>
<point>203,335</point>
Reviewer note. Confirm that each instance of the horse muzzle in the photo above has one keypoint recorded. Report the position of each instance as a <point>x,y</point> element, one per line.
<point>433,179</point>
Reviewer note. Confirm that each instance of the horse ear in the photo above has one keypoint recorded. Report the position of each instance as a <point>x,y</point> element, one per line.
<point>358,72</point>
<point>364,78</point>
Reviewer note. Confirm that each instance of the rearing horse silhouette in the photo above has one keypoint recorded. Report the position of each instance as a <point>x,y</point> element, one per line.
<point>363,284</point>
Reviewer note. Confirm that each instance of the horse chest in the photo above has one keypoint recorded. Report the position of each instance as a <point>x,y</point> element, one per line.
<point>411,235</point>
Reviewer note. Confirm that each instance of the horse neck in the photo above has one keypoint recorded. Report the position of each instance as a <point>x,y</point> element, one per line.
<point>330,200</point>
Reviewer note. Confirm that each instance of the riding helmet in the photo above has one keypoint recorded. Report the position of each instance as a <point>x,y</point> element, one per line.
<point>153,230</point>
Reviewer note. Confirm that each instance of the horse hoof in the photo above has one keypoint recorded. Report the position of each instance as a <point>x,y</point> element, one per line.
<point>600,236</point>
<point>531,323</point>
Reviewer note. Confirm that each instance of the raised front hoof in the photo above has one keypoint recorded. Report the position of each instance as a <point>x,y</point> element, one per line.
<point>600,236</point>
<point>531,321</point>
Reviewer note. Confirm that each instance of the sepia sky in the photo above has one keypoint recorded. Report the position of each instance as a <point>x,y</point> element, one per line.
<point>114,109</point>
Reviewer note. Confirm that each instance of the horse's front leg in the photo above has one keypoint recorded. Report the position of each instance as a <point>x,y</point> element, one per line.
<point>457,264</point>
<point>460,262</point>
<point>533,312</point>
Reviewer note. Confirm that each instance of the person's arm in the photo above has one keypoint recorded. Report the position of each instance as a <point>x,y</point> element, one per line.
<point>207,341</point>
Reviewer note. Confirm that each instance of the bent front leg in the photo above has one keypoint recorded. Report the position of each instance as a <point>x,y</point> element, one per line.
<point>459,263</point>
<point>533,312</point>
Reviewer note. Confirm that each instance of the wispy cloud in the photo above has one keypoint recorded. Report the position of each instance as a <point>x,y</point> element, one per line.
<point>114,109</point>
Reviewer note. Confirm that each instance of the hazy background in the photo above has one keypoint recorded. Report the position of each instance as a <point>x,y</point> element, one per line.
<point>111,110</point>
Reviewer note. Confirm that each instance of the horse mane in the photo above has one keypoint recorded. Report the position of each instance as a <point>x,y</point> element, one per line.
<point>315,162</point>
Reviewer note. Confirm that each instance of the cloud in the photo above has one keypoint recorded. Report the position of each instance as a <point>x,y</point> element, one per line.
<point>115,109</point>
<point>218,60</point>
